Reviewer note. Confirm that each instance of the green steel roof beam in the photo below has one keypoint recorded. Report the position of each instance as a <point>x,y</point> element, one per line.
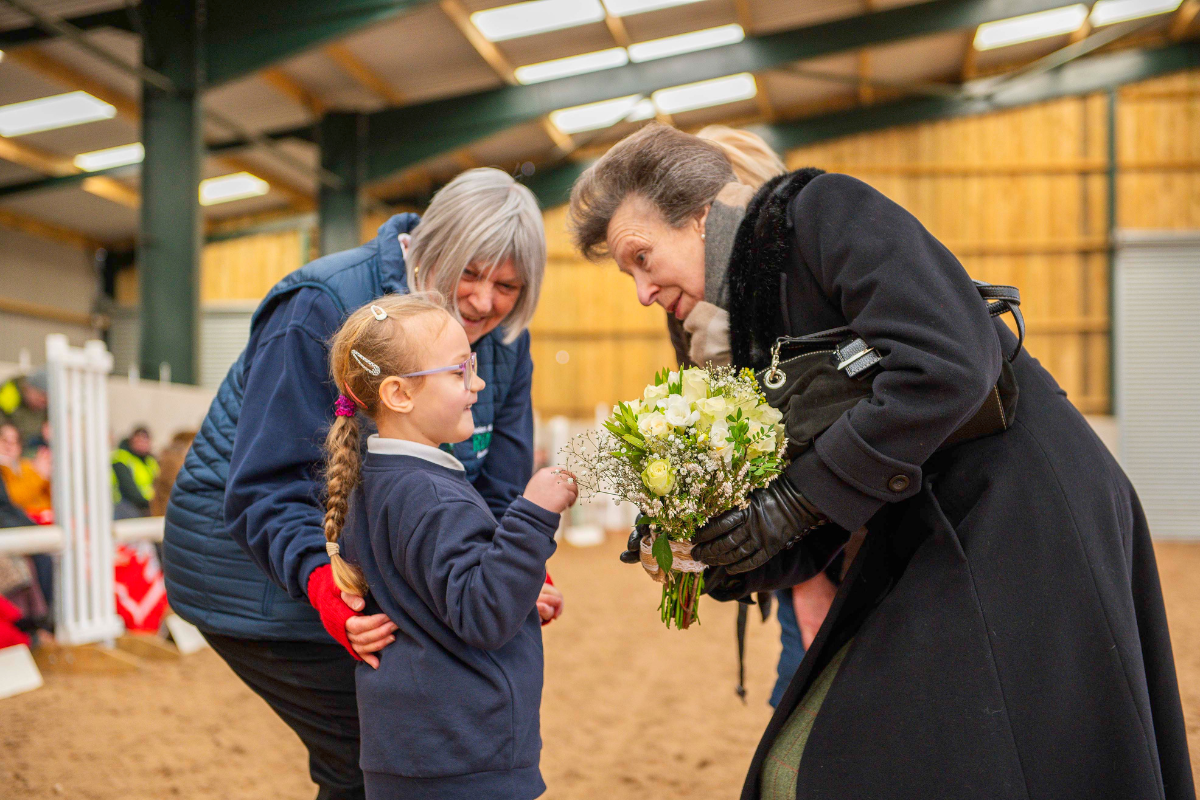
<point>1094,74</point>
<point>401,137</point>
<point>117,18</point>
<point>1084,76</point>
<point>246,37</point>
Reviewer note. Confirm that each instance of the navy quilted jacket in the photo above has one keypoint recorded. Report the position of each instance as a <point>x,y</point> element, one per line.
<point>243,526</point>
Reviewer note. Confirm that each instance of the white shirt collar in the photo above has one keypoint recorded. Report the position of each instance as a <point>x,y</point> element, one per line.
<point>403,447</point>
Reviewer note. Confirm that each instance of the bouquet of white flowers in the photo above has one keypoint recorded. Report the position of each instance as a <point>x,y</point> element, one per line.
<point>694,446</point>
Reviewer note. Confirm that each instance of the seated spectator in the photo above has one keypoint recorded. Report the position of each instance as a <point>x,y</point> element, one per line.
<point>22,582</point>
<point>23,402</point>
<point>133,474</point>
<point>170,461</point>
<point>26,479</point>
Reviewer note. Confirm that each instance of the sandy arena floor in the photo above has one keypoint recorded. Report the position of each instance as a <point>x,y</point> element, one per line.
<point>621,718</point>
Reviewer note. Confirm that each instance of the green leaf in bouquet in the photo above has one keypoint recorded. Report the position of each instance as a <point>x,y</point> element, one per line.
<point>637,442</point>
<point>643,520</point>
<point>661,549</point>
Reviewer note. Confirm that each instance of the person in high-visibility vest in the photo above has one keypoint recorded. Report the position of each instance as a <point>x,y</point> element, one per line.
<point>23,402</point>
<point>133,474</point>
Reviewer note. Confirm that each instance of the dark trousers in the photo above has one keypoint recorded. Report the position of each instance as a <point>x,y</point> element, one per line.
<point>311,687</point>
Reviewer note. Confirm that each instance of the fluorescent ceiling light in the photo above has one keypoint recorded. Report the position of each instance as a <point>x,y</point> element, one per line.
<point>121,156</point>
<point>705,93</point>
<point>573,65</point>
<point>1030,27</point>
<point>594,116</point>
<point>686,43</point>
<point>538,16</point>
<point>227,188</point>
<point>1106,12</point>
<point>624,8</point>
<point>48,113</point>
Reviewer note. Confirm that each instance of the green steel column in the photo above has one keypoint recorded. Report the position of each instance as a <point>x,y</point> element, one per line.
<point>170,241</point>
<point>342,139</point>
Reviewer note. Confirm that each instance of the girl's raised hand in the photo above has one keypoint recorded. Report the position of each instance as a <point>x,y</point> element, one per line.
<point>552,488</point>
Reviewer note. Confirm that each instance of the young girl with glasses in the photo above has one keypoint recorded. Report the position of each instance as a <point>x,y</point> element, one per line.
<point>453,709</point>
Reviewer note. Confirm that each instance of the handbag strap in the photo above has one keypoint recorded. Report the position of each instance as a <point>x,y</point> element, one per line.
<point>1005,300</point>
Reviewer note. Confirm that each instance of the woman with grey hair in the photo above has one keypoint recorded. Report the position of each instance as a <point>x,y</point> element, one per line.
<point>244,549</point>
<point>1000,632</point>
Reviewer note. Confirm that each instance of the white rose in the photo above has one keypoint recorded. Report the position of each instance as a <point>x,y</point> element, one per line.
<point>654,425</point>
<point>635,406</point>
<point>713,407</point>
<point>679,411</point>
<point>767,415</point>
<point>765,442</point>
<point>718,440</point>
<point>655,393</point>
<point>695,384</point>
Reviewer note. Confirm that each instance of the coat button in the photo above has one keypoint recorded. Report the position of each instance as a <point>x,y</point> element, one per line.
<point>898,483</point>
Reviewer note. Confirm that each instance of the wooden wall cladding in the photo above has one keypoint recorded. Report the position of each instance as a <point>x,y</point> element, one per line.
<point>1021,197</point>
<point>592,342</point>
<point>247,267</point>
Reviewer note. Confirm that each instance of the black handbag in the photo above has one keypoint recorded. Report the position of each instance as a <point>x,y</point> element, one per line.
<point>814,379</point>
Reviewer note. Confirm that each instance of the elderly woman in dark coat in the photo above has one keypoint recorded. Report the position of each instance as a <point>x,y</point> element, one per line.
<point>1000,632</point>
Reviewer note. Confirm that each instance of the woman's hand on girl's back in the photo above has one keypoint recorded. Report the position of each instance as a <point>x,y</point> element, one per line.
<point>553,489</point>
<point>549,603</point>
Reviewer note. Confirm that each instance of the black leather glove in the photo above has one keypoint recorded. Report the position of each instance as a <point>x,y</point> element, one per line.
<point>745,538</point>
<point>633,549</point>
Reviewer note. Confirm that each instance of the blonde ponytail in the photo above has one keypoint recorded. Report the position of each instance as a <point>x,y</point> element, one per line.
<point>373,343</point>
<point>341,476</point>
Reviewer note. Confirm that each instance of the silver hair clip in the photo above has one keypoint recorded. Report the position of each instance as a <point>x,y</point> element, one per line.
<point>379,313</point>
<point>370,366</point>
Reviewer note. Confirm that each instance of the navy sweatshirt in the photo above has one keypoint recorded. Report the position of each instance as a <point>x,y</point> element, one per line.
<point>453,710</point>
<point>272,500</point>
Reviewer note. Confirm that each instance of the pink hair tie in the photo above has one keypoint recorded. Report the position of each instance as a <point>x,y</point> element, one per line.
<point>344,407</point>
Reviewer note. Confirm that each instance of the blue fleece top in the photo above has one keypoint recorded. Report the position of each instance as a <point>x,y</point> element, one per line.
<point>453,710</point>
<point>273,504</point>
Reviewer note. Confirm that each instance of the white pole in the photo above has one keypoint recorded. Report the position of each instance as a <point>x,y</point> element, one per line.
<point>64,593</point>
<point>85,602</point>
<point>102,362</point>
<point>86,556</point>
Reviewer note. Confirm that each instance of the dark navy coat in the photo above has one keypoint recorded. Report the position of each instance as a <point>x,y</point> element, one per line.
<point>453,710</point>
<point>1006,627</point>
<point>244,523</point>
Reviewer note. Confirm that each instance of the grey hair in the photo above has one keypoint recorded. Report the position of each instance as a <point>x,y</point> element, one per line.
<point>678,173</point>
<point>482,217</point>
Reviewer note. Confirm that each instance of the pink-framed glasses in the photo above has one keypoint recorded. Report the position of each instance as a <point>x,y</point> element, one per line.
<point>468,368</point>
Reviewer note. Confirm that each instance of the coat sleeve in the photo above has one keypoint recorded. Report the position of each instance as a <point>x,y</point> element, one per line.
<point>508,465</point>
<point>903,292</point>
<point>273,503</point>
<point>480,578</point>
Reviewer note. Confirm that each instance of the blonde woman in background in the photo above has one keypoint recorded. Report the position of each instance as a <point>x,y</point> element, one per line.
<point>704,337</point>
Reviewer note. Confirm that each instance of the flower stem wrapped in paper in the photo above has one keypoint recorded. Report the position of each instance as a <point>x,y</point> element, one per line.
<point>694,446</point>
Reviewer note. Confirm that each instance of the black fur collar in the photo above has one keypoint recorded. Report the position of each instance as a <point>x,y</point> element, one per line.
<point>760,255</point>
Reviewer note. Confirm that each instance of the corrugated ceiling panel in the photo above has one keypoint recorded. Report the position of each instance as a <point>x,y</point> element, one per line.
<point>557,44</point>
<point>777,15</point>
<point>127,46</point>
<point>11,18</point>
<point>680,19</point>
<point>76,210</point>
<point>256,105</point>
<point>327,81</point>
<point>1157,286</point>
<point>423,56</point>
